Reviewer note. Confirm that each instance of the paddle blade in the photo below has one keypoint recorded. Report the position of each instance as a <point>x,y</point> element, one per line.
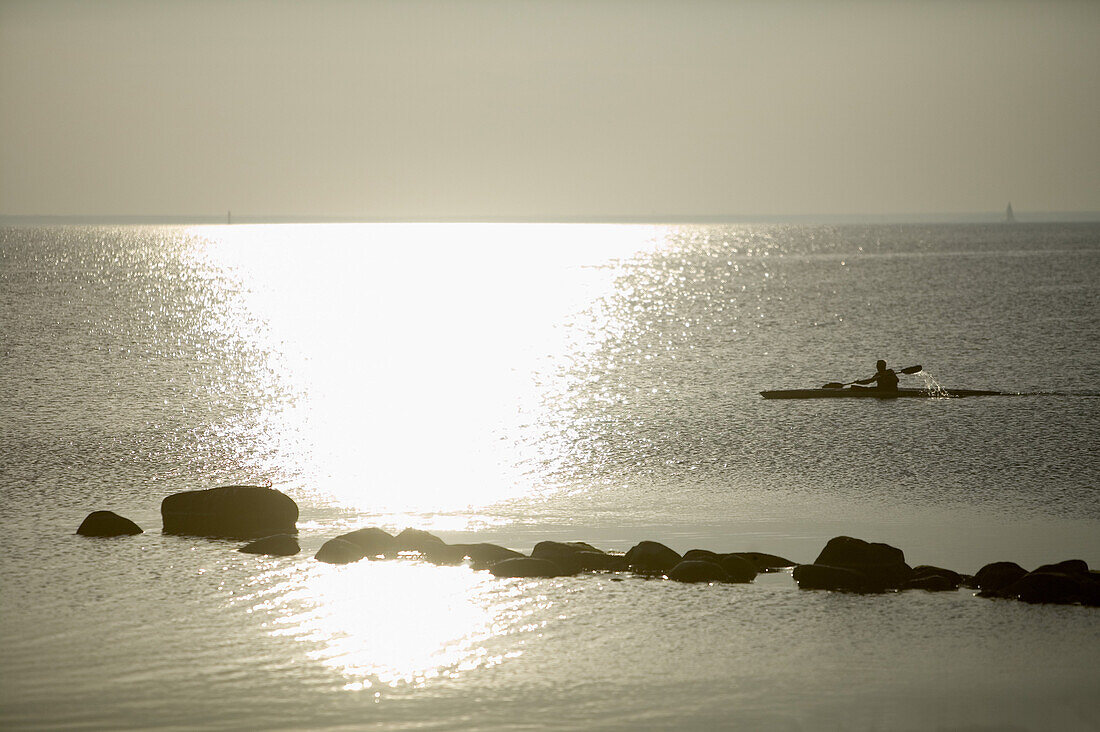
<point>833,385</point>
<point>912,370</point>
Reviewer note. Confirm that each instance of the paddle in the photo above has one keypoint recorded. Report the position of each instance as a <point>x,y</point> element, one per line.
<point>838,385</point>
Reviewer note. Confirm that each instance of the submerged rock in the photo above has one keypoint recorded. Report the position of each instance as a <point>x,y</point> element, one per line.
<point>280,545</point>
<point>526,567</point>
<point>106,524</point>
<point>698,570</point>
<point>339,551</point>
<point>233,512</point>
<point>652,556</point>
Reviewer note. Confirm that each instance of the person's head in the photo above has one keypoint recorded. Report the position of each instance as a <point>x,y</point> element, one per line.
<point>880,365</point>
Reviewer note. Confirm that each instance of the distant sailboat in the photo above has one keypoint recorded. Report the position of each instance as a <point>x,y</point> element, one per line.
<point>1010,218</point>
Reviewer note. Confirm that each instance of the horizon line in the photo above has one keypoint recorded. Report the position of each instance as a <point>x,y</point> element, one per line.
<point>1023,217</point>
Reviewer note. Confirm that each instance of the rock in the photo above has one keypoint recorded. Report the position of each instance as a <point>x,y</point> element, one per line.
<point>882,564</point>
<point>994,577</point>
<point>824,577</point>
<point>280,545</point>
<point>737,567</point>
<point>371,540</point>
<point>483,556</point>
<point>338,551</point>
<point>526,567</point>
<point>233,512</point>
<point>415,540</point>
<point>1048,587</point>
<point>698,570</point>
<point>933,579</point>
<point>107,523</point>
<point>600,561</point>
<point>444,554</point>
<point>564,554</point>
<point>651,556</point>
<point>764,562</point>
<point>1069,566</point>
<point>704,555</point>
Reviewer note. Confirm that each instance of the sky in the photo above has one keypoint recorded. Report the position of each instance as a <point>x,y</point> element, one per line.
<point>532,109</point>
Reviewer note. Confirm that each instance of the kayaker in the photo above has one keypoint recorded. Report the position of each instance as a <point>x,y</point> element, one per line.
<point>885,379</point>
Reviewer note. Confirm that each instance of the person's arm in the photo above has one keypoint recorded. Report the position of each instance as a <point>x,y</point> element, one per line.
<point>867,381</point>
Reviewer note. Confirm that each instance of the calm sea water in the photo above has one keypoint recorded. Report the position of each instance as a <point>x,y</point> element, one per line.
<point>523,382</point>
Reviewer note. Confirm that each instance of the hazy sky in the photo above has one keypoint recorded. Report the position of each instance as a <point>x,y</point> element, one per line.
<point>545,109</point>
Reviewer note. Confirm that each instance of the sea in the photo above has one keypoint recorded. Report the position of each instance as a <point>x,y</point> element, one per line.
<point>515,383</point>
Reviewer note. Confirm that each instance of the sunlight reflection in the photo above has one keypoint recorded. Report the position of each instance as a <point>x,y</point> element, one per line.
<point>413,355</point>
<point>400,623</point>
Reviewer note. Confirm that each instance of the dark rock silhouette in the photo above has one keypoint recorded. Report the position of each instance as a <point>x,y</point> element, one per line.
<point>371,540</point>
<point>483,556</point>
<point>564,554</point>
<point>824,577</point>
<point>601,562</point>
<point>280,545</point>
<point>996,576</point>
<point>526,567</point>
<point>106,524</point>
<point>1064,583</point>
<point>704,555</point>
<point>416,540</point>
<point>737,567</point>
<point>338,551</point>
<point>651,557</point>
<point>933,579</point>
<point>764,562</point>
<point>698,570</point>
<point>883,565</point>
<point>233,512</point>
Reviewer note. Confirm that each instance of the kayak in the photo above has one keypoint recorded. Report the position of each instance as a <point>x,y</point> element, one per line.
<point>850,393</point>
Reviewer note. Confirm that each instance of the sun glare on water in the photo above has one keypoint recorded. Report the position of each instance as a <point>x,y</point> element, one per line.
<point>410,355</point>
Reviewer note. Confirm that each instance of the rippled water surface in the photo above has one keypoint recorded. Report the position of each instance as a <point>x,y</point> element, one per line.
<point>519,383</point>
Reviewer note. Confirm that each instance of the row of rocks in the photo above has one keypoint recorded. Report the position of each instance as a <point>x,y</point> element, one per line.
<point>845,564</point>
<point>854,565</point>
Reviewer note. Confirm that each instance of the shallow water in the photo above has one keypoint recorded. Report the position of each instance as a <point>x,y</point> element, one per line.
<point>519,383</point>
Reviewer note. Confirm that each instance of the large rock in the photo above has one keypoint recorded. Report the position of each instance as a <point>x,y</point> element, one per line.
<point>371,540</point>
<point>824,577</point>
<point>280,545</point>
<point>338,551</point>
<point>651,557</point>
<point>882,564</point>
<point>698,570</point>
<point>700,555</point>
<point>526,567</point>
<point>996,576</point>
<point>107,523</point>
<point>233,512</point>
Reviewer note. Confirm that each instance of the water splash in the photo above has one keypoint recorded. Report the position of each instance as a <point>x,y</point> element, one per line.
<point>933,386</point>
